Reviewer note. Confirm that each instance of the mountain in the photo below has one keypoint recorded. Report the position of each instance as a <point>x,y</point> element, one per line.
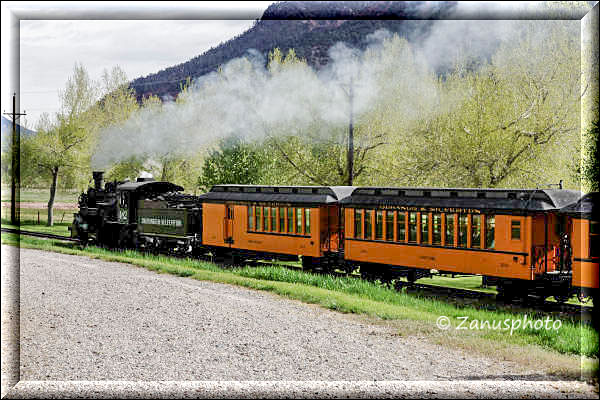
<point>6,132</point>
<point>310,28</point>
<point>7,128</point>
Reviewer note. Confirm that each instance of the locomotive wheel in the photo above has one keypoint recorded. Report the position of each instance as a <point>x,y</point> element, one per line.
<point>326,268</point>
<point>504,292</point>
<point>347,268</point>
<point>412,276</point>
<point>156,247</point>
<point>307,263</point>
<point>365,274</point>
<point>125,240</point>
<point>509,292</point>
<point>561,298</point>
<point>83,239</point>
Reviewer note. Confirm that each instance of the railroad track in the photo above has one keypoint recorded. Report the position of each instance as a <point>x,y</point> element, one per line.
<point>457,296</point>
<point>39,234</point>
<point>479,299</point>
<point>490,301</point>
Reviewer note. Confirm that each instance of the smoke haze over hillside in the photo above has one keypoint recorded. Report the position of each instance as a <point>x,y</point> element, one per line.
<point>248,100</point>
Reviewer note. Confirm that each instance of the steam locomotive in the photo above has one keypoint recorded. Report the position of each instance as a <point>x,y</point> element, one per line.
<point>527,242</point>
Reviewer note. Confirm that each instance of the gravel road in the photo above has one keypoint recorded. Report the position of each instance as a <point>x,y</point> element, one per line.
<point>91,320</point>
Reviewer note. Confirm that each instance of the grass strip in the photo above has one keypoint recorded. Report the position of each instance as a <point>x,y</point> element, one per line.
<point>345,294</point>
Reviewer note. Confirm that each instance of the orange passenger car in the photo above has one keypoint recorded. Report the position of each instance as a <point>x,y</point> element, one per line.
<point>283,222</point>
<point>584,231</point>
<point>510,236</point>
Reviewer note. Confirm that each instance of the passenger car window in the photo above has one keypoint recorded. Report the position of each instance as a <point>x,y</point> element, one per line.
<point>307,221</point>
<point>462,230</point>
<point>358,224</point>
<point>368,224</point>
<point>257,218</point>
<point>379,225</point>
<point>273,219</point>
<point>449,229</point>
<point>282,220</point>
<point>412,227</point>
<point>389,225</point>
<point>490,227</point>
<point>515,230</point>
<point>476,231</point>
<point>290,220</point>
<point>298,220</point>
<point>250,218</point>
<point>424,228</point>
<point>265,226</point>
<point>437,228</point>
<point>401,226</point>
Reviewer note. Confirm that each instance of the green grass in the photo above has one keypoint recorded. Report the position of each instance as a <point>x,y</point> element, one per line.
<point>348,295</point>
<point>458,282</point>
<point>42,195</point>
<point>30,216</point>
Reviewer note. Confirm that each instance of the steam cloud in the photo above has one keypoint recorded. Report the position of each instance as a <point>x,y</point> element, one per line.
<point>248,100</point>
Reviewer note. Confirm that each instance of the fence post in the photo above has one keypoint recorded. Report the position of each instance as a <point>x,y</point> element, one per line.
<point>38,217</point>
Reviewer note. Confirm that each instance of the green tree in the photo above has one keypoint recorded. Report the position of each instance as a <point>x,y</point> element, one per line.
<point>317,151</point>
<point>513,122</point>
<point>233,162</point>
<point>63,144</point>
<point>118,101</point>
<point>591,168</point>
<point>117,104</point>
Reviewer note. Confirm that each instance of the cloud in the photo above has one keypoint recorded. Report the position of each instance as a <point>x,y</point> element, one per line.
<point>49,49</point>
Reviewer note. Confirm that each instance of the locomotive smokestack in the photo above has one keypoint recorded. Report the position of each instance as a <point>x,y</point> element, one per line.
<point>98,179</point>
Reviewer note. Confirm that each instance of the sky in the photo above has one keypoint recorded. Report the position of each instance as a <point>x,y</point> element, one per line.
<point>50,47</point>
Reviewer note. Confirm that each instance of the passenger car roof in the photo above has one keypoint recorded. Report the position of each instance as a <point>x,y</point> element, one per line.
<point>585,208</point>
<point>492,199</point>
<point>277,194</point>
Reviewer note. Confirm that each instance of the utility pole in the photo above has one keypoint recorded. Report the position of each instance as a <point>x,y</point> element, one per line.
<point>16,151</point>
<point>351,135</point>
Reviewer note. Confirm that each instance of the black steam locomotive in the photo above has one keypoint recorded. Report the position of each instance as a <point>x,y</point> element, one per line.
<point>142,214</point>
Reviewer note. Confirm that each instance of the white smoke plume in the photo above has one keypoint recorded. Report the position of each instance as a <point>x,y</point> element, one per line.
<point>244,99</point>
<point>247,100</point>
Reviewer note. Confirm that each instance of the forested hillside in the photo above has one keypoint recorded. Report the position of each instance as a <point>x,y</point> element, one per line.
<point>310,28</point>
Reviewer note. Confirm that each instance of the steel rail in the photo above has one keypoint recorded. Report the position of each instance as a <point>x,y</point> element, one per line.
<point>40,234</point>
